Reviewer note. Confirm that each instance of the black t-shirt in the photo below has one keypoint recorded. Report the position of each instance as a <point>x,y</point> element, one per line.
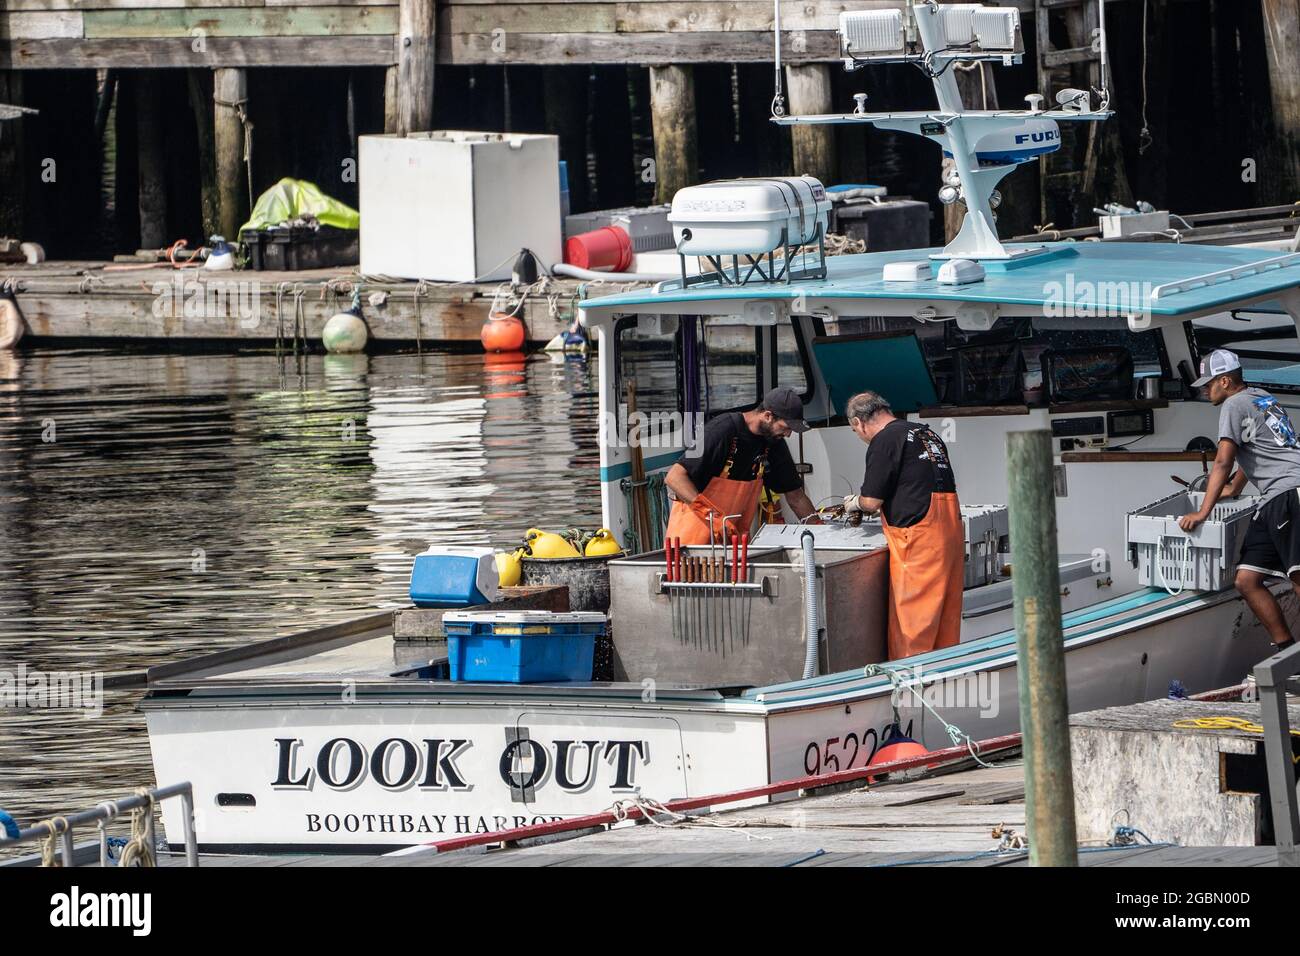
<point>906,463</point>
<point>731,450</point>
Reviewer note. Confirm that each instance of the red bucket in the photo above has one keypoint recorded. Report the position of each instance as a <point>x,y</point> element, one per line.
<point>608,249</point>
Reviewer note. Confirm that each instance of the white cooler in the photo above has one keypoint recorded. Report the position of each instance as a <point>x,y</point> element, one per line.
<point>455,206</point>
<point>738,217</point>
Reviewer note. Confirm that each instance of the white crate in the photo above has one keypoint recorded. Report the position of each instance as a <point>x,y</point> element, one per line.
<point>1168,557</point>
<point>986,530</point>
<point>457,206</point>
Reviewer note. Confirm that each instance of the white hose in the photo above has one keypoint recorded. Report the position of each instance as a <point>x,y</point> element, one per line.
<point>587,275</point>
<point>811,630</point>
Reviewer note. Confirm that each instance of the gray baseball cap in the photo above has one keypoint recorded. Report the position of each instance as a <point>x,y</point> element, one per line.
<point>1220,362</point>
<point>784,402</point>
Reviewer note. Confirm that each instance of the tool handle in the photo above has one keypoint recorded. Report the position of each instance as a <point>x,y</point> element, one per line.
<point>735,559</point>
<point>677,557</point>
<point>744,557</point>
<point>668,559</point>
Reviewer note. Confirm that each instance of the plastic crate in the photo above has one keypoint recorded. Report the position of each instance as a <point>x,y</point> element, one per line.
<point>522,647</point>
<point>986,530</point>
<point>1166,556</point>
<point>294,248</point>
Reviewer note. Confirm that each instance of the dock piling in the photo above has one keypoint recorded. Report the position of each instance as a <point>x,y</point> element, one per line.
<point>230,102</point>
<point>672,108</point>
<point>809,87</point>
<point>417,29</point>
<point>1040,650</point>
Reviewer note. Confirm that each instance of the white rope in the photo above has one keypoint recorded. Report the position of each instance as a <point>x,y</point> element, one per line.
<point>653,810</point>
<point>955,733</point>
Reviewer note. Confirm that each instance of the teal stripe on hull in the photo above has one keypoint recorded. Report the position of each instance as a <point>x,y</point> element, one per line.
<point>624,469</point>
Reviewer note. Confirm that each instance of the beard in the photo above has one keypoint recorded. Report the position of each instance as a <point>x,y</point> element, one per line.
<point>766,430</point>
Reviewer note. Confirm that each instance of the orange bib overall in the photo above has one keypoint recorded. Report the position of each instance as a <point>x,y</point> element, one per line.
<point>731,496</point>
<point>927,572</point>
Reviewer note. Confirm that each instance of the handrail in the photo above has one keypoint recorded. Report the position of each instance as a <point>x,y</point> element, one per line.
<point>1271,675</point>
<point>1244,271</point>
<point>62,827</point>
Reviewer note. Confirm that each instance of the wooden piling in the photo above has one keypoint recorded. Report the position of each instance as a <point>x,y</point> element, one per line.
<point>390,100</point>
<point>1040,650</point>
<point>152,172</point>
<point>417,28</point>
<point>230,102</point>
<point>1282,41</point>
<point>200,92</point>
<point>809,88</point>
<point>11,172</point>
<point>672,108</point>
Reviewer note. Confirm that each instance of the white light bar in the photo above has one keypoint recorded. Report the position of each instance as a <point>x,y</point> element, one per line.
<point>866,33</point>
<point>992,28</point>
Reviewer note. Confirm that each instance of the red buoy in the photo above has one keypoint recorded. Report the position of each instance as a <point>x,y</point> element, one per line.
<point>897,747</point>
<point>502,333</point>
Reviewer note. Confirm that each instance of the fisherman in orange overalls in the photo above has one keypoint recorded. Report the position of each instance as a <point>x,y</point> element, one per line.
<point>741,452</point>
<point>909,481</point>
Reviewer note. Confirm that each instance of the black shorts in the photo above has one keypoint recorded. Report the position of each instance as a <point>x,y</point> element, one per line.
<point>1272,544</point>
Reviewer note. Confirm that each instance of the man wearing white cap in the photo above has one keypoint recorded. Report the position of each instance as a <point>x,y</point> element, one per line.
<point>1255,432</point>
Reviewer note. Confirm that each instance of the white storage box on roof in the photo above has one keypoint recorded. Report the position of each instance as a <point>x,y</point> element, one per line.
<point>737,217</point>
<point>456,206</point>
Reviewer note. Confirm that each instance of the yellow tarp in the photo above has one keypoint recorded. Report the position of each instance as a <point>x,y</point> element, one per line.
<point>291,198</point>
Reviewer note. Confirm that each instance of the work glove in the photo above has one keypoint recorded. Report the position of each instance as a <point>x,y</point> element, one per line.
<point>852,504</point>
<point>702,505</point>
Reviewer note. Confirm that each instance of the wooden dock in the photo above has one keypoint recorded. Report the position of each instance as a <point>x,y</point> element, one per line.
<point>954,819</point>
<point>84,301</point>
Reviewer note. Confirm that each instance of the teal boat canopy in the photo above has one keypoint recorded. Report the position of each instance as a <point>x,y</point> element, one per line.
<point>1085,278</point>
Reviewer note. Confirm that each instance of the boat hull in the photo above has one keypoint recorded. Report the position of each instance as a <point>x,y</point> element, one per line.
<point>361,772</point>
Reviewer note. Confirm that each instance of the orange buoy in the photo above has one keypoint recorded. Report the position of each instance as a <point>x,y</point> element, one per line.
<point>502,333</point>
<point>899,746</point>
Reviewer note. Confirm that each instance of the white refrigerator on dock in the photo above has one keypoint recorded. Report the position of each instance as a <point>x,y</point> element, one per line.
<point>457,206</point>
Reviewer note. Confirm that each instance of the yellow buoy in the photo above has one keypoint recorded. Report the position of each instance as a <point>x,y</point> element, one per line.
<point>509,568</point>
<point>544,544</point>
<point>603,543</point>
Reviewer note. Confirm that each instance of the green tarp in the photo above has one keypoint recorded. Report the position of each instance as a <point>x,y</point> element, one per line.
<point>291,198</point>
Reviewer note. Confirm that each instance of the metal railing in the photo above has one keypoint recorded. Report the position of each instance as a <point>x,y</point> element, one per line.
<point>1271,676</point>
<point>103,813</point>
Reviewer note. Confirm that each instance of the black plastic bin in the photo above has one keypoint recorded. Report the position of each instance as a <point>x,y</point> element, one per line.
<point>290,248</point>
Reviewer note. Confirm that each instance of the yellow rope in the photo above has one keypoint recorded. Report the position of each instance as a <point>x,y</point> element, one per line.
<point>1227,723</point>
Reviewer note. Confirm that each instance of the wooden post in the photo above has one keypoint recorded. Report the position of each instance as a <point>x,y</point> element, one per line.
<point>152,145</point>
<point>1040,650</point>
<point>230,101</point>
<point>201,104</point>
<point>1282,40</point>
<point>814,146</point>
<point>11,158</point>
<point>390,100</point>
<point>417,27</point>
<point>672,108</point>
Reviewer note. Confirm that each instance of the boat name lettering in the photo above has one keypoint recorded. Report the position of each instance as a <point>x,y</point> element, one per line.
<point>342,764</point>
<point>430,823</point>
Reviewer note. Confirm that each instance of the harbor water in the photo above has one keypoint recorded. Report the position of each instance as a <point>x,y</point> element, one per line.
<point>158,506</point>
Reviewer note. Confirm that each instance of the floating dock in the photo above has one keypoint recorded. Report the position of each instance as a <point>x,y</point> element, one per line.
<point>84,300</point>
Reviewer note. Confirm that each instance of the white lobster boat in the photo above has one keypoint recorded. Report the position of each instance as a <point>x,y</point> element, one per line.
<point>341,739</point>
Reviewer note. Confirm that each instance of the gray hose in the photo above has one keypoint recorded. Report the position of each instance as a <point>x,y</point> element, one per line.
<point>810,616</point>
<point>587,275</point>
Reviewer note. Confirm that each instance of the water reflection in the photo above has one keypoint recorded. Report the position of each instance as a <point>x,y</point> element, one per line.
<point>157,506</point>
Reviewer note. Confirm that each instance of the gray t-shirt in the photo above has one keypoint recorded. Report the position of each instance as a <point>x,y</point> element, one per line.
<point>1268,448</point>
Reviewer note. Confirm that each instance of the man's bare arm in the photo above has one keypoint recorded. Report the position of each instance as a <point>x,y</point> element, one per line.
<point>680,484</point>
<point>1219,477</point>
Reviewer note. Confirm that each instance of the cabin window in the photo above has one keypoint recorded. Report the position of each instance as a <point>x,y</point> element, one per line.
<point>790,360</point>
<point>1011,362</point>
<point>1266,346</point>
<point>647,356</point>
<point>730,369</point>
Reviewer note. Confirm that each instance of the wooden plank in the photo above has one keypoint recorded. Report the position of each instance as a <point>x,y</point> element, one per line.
<point>529,18</point>
<point>247,22</point>
<point>219,52</point>
<point>651,49</point>
<point>24,26</point>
